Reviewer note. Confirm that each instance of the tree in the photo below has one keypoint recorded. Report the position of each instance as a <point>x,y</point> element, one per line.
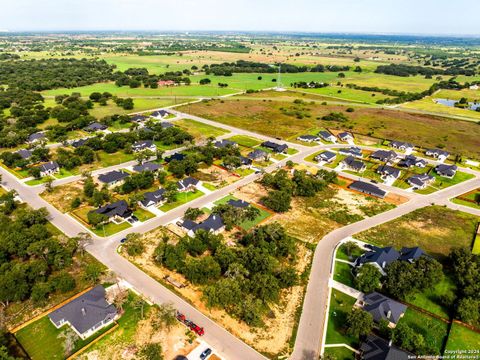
<point>93,272</point>
<point>359,323</point>
<point>152,351</point>
<point>350,247</point>
<point>278,200</point>
<point>368,278</point>
<point>165,315</point>
<point>406,337</point>
<point>192,213</point>
<point>35,172</point>
<point>96,219</point>
<point>468,310</point>
<point>134,244</point>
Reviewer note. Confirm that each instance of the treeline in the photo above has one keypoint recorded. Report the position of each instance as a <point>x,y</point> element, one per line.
<point>244,280</point>
<point>242,66</point>
<point>410,70</point>
<point>46,74</point>
<point>136,77</point>
<point>308,85</point>
<point>8,56</point>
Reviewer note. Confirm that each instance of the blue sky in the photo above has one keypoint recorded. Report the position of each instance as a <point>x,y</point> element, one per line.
<point>366,16</point>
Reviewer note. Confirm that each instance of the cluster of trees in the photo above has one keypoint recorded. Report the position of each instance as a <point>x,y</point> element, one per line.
<point>136,77</point>
<point>335,116</point>
<point>232,215</point>
<point>410,70</point>
<point>309,85</point>
<point>14,160</point>
<point>43,74</point>
<point>285,187</point>
<point>243,280</point>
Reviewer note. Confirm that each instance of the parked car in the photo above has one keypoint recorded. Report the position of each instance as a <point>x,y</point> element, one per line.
<point>123,240</point>
<point>205,353</point>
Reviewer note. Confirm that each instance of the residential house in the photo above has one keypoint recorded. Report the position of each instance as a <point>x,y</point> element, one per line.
<point>166,124</point>
<point>36,137</point>
<point>94,127</point>
<point>213,224</point>
<point>25,154</point>
<point>258,155</point>
<point>117,211</point>
<point>326,136</point>
<point>308,138</point>
<point>278,148</point>
<point>384,155</point>
<point>345,136</point>
<point>188,184</point>
<point>440,155</point>
<point>176,156</point>
<point>49,168</point>
<point>114,177</point>
<point>411,254</point>
<point>78,143</point>
<point>245,162</point>
<point>139,118</point>
<point>153,198</point>
<point>166,83</point>
<point>221,144</point>
<point>144,145</point>
<point>327,156</point>
<point>447,171</point>
<point>350,163</point>
<point>379,257</point>
<point>411,161</point>
<point>367,188</point>
<point>86,314</point>
<point>240,204</point>
<point>376,348</point>
<point>382,308</point>
<point>148,166</point>
<point>388,173</point>
<point>420,181</point>
<point>351,151</point>
<point>159,114</point>
<point>402,146</point>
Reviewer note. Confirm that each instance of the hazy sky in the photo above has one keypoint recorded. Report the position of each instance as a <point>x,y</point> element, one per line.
<point>370,16</point>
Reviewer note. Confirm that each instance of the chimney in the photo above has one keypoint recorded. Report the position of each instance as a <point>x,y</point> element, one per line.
<point>389,314</point>
<point>84,312</point>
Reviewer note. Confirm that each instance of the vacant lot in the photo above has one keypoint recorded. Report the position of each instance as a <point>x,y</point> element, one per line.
<point>288,120</point>
<point>435,229</point>
<point>471,199</point>
<point>198,130</point>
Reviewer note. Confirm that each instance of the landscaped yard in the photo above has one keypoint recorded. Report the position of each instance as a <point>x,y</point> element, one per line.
<point>340,353</point>
<point>435,229</point>
<point>340,305</point>
<point>471,199</point>
<point>248,224</point>
<point>342,273</point>
<point>244,140</point>
<point>341,253</point>
<point>143,215</point>
<point>182,198</point>
<point>111,228</point>
<point>462,338</point>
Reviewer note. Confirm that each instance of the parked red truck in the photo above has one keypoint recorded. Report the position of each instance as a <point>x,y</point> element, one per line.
<point>194,327</point>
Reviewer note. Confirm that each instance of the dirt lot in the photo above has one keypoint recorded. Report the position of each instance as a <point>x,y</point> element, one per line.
<point>273,338</point>
<point>215,175</point>
<point>279,119</point>
<point>62,196</point>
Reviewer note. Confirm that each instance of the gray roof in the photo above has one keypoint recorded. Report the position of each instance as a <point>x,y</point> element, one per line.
<point>383,308</point>
<point>345,135</point>
<point>213,223</point>
<point>384,155</point>
<point>78,143</point>
<point>245,160</point>
<point>437,152</point>
<point>96,127</point>
<point>118,208</point>
<point>411,254</point>
<point>143,144</point>
<point>411,160</point>
<point>257,154</point>
<point>36,136</point>
<point>148,166</point>
<point>166,124</point>
<point>325,135</point>
<point>238,203</point>
<point>354,164</point>
<point>326,155</point>
<point>85,311</point>
<point>185,183</point>
<point>138,118</point>
<point>24,153</point>
<point>419,180</point>
<point>176,156</point>
<point>381,256</point>
<point>160,112</point>
<point>376,348</point>
<point>388,171</point>
<point>113,176</point>
<point>367,188</point>
<point>51,165</point>
<point>400,145</point>
<point>353,151</point>
<point>224,143</point>
<point>274,146</point>
<point>446,170</point>
<point>308,137</point>
<point>153,197</point>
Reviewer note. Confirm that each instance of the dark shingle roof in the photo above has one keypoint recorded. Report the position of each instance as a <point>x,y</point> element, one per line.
<point>224,143</point>
<point>148,166</point>
<point>142,145</point>
<point>166,124</point>
<point>274,146</point>
<point>381,256</point>
<point>411,160</point>
<point>383,308</point>
<point>138,118</point>
<point>118,208</point>
<point>78,143</point>
<point>308,137</point>
<point>389,171</point>
<point>257,154</point>
<point>36,136</point>
<point>85,311</point>
<point>384,155</point>
<point>354,151</point>
<point>411,254</point>
<point>185,183</point>
<point>51,165</point>
<point>345,135</point>
<point>326,155</point>
<point>375,348</point>
<point>213,223</point>
<point>96,127</point>
<point>446,170</point>
<point>401,145</point>
<point>354,164</point>
<point>437,153</point>
<point>238,203</point>
<point>24,153</point>
<point>367,188</point>
<point>160,112</point>
<point>113,176</point>
<point>419,180</point>
<point>176,156</point>
<point>153,197</point>
<point>325,135</point>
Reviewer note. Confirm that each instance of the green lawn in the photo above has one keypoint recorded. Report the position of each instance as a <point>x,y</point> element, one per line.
<point>476,245</point>
<point>182,198</point>
<point>246,141</point>
<point>244,172</point>
<point>143,215</point>
<point>340,353</point>
<point>342,273</point>
<point>340,305</point>
<point>119,157</point>
<point>443,182</point>
<point>209,186</point>
<point>462,338</point>
<point>34,182</point>
<point>433,330</point>
<point>200,130</point>
<point>248,224</point>
<point>436,229</point>
<point>341,254</point>
<point>429,299</point>
<point>111,228</point>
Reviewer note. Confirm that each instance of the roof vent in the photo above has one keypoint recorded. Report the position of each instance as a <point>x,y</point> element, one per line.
<point>84,312</point>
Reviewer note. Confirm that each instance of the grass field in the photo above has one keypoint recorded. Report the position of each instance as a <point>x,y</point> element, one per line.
<point>143,215</point>
<point>462,338</point>
<point>433,330</point>
<point>340,353</point>
<point>435,229</point>
<point>468,199</point>
<point>182,198</point>
<point>272,118</point>
<point>342,273</point>
<point>345,93</point>
<point>199,130</point>
<point>341,254</point>
<point>340,305</point>
<point>244,140</point>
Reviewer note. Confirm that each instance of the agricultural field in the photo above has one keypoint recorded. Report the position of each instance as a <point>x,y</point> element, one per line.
<point>288,120</point>
<point>435,229</point>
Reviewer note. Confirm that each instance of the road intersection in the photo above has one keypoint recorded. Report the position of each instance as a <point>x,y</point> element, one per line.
<point>311,326</point>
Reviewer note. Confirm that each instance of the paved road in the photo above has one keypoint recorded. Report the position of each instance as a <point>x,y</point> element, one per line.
<point>308,342</point>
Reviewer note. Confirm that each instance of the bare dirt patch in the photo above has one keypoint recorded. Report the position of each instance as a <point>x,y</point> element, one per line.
<point>62,196</point>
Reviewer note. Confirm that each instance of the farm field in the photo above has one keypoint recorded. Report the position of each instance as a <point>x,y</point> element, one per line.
<point>428,104</point>
<point>435,229</point>
<point>272,118</point>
